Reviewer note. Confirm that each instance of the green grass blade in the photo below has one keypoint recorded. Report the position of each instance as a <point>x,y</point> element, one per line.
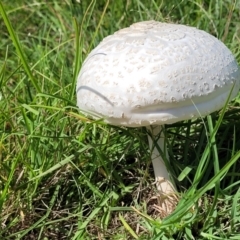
<point>127,227</point>
<point>18,47</point>
<point>180,212</point>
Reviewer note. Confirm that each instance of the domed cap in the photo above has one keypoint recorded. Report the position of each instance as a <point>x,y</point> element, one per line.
<point>156,73</point>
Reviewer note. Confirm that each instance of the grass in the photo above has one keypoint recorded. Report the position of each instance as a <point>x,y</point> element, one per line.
<point>63,176</point>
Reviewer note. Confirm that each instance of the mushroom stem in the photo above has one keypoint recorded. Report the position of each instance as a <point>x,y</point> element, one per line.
<point>163,181</point>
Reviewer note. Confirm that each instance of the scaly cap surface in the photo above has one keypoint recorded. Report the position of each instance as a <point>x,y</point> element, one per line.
<point>156,73</point>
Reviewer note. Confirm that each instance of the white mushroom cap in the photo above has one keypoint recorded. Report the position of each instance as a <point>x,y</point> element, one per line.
<point>156,73</point>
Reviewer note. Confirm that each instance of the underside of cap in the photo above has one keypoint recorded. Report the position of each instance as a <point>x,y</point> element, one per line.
<point>152,114</point>
<point>156,73</point>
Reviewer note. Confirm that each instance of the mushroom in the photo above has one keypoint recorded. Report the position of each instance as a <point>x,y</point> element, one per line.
<point>154,73</point>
